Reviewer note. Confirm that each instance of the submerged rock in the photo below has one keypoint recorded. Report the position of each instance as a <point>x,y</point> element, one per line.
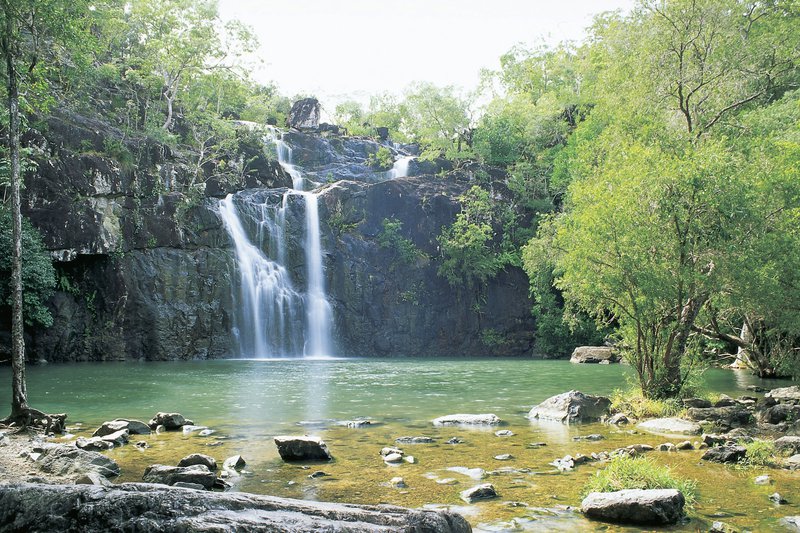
<point>572,406</point>
<point>169,475</point>
<point>594,354</point>
<point>302,448</point>
<point>485,491</point>
<point>414,440</point>
<point>40,508</point>
<point>776,497</point>
<point>487,419</point>
<point>635,506</point>
<point>504,433</point>
<point>674,426</point>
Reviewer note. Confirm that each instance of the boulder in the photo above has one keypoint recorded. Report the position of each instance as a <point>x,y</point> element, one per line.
<point>304,115</point>
<point>134,427</point>
<point>784,394</point>
<point>302,448</point>
<point>118,438</point>
<point>234,462</point>
<point>724,454</point>
<point>788,445</point>
<point>635,506</point>
<point>467,420</point>
<point>782,412</point>
<point>92,478</point>
<point>791,522</point>
<point>594,354</point>
<point>169,475</point>
<point>671,426</point>
<point>696,402</point>
<point>485,491</point>
<point>572,406</point>
<point>763,480</point>
<point>93,444</point>
<point>730,416</point>
<point>199,459</point>
<point>618,419</point>
<point>40,508</point>
<point>64,460</point>
<point>793,462</point>
<point>170,421</point>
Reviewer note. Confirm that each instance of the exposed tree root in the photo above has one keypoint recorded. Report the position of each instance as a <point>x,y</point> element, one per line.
<point>33,418</point>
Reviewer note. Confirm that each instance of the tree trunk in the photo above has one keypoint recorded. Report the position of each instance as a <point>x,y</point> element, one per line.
<point>19,398</point>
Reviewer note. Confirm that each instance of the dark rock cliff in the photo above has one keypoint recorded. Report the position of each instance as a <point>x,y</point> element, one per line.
<point>147,272</point>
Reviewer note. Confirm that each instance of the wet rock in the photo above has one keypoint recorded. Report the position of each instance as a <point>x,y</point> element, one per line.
<point>189,429</point>
<point>234,462</point>
<point>455,440</point>
<point>724,401</point>
<point>317,474</point>
<point>410,459</point>
<point>474,473</point>
<point>727,417</point>
<point>66,460</point>
<point>721,527</point>
<point>618,419</point>
<point>44,508</point>
<point>142,445</point>
<point>304,114</point>
<point>594,354</point>
<point>674,426</point>
<point>568,462</point>
<point>763,480</point>
<point>169,475</point>
<point>793,462</point>
<point>398,483</point>
<point>302,448</point>
<point>788,445</point>
<point>504,457</point>
<point>486,491</point>
<point>782,412</point>
<point>205,432</point>
<point>724,454</point>
<point>685,445</point>
<point>792,522</point>
<point>504,433</point>
<point>170,421</point>
<point>784,394</point>
<point>535,445</point>
<point>756,388</point>
<point>414,440</point>
<point>666,447</point>
<point>590,438</point>
<point>93,444</point>
<point>645,507</point>
<point>199,459</point>
<point>134,427</point>
<point>776,497</point>
<point>118,438</point>
<point>356,424</point>
<point>696,403</point>
<point>391,450</point>
<point>572,406</point>
<point>393,458</point>
<point>487,419</point>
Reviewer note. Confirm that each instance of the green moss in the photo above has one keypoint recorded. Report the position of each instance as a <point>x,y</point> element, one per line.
<point>638,473</point>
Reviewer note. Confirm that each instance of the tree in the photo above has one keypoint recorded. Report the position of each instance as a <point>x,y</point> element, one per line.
<point>439,119</point>
<point>27,26</point>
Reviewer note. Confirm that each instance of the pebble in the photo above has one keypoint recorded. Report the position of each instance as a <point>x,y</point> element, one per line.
<point>504,457</point>
<point>393,458</point>
<point>777,498</point>
<point>398,483</point>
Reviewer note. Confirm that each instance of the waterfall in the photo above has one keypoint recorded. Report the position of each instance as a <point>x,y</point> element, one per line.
<point>273,318</point>
<point>400,168</point>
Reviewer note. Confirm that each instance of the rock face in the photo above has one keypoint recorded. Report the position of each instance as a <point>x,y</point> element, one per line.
<point>302,448</point>
<point>488,419</point>
<point>304,115</point>
<point>654,506</point>
<point>148,270</point>
<point>594,354</point>
<point>152,508</point>
<point>570,407</point>
<point>169,475</point>
<point>671,426</point>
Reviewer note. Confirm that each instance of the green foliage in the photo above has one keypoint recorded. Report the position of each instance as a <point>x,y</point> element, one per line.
<point>638,473</point>
<point>38,275</point>
<point>381,160</point>
<point>491,338</point>
<point>470,255</point>
<point>759,453</point>
<point>635,404</point>
<point>439,119</point>
<point>391,238</point>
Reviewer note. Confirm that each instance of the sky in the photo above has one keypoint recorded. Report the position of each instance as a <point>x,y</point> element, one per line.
<point>340,49</point>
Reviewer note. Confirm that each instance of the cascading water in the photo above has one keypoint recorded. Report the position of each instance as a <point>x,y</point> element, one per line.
<point>274,319</point>
<point>400,168</point>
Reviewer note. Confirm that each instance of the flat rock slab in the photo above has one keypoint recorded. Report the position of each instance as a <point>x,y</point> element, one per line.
<point>134,427</point>
<point>302,448</point>
<point>594,354</point>
<point>152,508</point>
<point>487,419</point>
<point>635,506</point>
<point>169,475</point>
<point>572,406</point>
<point>64,460</point>
<point>671,426</point>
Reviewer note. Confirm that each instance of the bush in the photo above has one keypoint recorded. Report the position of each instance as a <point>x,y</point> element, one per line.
<point>390,238</point>
<point>638,473</point>
<point>633,403</point>
<point>381,160</point>
<point>759,453</point>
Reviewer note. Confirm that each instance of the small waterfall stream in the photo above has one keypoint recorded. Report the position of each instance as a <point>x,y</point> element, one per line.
<point>273,318</point>
<point>400,168</point>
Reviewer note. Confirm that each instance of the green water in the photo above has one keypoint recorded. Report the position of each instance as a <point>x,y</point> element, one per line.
<point>248,402</point>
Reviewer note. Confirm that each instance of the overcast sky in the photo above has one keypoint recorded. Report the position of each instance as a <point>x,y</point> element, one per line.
<point>339,48</point>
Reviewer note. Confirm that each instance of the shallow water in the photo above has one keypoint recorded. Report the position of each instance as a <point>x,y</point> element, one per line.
<point>248,402</point>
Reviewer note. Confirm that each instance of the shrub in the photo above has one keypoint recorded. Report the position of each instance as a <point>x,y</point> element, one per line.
<point>638,473</point>
<point>759,453</point>
<point>381,160</point>
<point>636,405</point>
<point>390,238</point>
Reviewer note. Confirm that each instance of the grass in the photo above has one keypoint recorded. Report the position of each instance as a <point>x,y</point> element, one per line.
<point>638,473</point>
<point>634,404</point>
